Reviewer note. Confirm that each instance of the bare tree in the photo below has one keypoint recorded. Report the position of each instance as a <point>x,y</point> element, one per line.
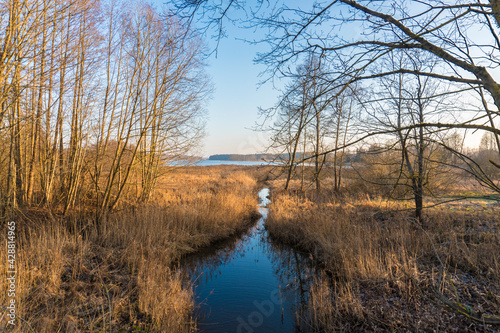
<point>361,35</point>
<point>312,121</point>
<point>289,127</point>
<point>153,101</point>
<point>94,94</point>
<point>404,101</point>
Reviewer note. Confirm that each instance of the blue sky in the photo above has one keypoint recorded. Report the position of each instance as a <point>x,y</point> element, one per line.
<point>233,109</point>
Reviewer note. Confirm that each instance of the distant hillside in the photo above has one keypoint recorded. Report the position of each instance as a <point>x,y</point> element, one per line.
<point>242,157</point>
<point>348,158</point>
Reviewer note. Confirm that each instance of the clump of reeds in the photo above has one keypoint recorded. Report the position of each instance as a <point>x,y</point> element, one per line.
<point>384,266</point>
<point>78,275</point>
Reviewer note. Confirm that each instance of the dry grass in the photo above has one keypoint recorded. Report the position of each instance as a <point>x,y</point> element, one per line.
<point>76,276</point>
<point>382,266</point>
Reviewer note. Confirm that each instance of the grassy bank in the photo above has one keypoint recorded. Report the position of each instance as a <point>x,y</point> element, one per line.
<point>383,268</point>
<point>74,275</point>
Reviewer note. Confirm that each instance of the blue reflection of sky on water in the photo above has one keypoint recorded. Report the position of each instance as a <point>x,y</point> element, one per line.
<point>249,285</point>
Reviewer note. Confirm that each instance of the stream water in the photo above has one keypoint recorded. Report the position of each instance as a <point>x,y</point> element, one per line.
<point>251,284</point>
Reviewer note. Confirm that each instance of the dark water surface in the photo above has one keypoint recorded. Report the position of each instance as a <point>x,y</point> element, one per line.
<point>250,284</point>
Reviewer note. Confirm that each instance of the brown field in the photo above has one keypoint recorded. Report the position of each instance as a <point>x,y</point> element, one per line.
<point>76,276</point>
<point>383,271</point>
<point>383,268</point>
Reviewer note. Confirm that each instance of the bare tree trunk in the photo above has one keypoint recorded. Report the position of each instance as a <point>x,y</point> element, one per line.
<point>317,165</point>
<point>344,144</point>
<point>12,176</point>
<point>35,149</point>
<point>336,166</point>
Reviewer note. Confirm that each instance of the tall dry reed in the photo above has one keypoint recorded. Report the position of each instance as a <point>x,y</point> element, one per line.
<point>382,265</point>
<point>75,275</point>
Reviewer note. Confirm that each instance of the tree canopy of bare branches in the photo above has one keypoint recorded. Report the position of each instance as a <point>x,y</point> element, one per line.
<point>462,39</point>
<point>95,97</point>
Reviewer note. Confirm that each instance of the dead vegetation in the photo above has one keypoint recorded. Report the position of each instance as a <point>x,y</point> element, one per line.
<point>76,276</point>
<point>384,268</point>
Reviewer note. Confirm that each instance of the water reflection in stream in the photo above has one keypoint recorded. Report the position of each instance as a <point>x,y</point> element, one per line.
<point>250,284</point>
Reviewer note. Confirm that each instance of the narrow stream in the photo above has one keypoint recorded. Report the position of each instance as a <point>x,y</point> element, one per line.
<point>250,284</point>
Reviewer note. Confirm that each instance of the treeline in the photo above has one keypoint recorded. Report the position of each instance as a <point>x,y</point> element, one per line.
<point>242,157</point>
<point>94,95</point>
<point>260,157</point>
<point>253,157</point>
